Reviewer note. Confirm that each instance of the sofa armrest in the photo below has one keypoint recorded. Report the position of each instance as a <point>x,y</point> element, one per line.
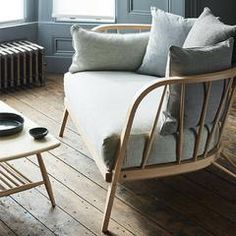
<point>141,94</point>
<point>118,27</point>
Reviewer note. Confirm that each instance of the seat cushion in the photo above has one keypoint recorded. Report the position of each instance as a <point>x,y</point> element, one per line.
<point>99,102</point>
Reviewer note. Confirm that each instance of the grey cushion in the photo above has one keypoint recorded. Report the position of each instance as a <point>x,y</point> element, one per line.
<point>100,51</point>
<point>167,29</point>
<point>100,102</point>
<point>192,61</point>
<point>208,30</point>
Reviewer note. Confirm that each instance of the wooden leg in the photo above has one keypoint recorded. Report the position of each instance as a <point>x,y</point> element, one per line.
<point>227,158</point>
<point>109,203</point>
<point>227,171</point>
<point>63,125</point>
<point>224,169</point>
<point>46,179</point>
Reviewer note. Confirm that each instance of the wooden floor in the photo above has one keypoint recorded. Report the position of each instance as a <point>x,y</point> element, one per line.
<point>199,203</point>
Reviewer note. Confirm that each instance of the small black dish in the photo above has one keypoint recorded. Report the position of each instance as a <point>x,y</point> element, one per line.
<point>10,123</point>
<point>38,133</point>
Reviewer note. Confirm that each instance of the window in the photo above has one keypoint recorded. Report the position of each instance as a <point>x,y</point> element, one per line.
<point>12,10</point>
<point>84,10</point>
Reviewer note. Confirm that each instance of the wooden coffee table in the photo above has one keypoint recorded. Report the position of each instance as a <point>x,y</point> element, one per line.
<point>19,146</point>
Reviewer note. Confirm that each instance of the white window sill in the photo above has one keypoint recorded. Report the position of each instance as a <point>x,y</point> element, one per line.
<point>74,20</point>
<point>8,24</point>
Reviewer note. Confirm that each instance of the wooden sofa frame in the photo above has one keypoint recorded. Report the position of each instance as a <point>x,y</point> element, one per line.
<point>119,175</point>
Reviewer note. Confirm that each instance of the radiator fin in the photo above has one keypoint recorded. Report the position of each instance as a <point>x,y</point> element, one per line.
<point>21,65</point>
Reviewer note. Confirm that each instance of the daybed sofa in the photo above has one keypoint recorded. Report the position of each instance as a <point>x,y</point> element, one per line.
<point>121,116</point>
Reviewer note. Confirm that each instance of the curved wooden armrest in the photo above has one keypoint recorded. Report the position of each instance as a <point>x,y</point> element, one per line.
<point>193,79</point>
<point>118,27</point>
<point>141,94</point>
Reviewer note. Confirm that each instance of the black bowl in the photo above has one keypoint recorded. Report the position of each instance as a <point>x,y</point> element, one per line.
<point>38,133</point>
<point>10,123</point>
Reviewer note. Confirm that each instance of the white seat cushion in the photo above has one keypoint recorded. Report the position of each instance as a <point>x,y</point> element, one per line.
<point>100,101</point>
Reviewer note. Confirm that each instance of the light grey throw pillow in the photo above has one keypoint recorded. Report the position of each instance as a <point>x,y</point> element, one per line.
<point>193,61</point>
<point>208,30</point>
<point>167,29</point>
<point>100,51</point>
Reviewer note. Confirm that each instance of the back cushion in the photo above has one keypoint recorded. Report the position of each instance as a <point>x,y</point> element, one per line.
<point>167,29</point>
<point>209,30</point>
<point>100,51</point>
<point>193,61</point>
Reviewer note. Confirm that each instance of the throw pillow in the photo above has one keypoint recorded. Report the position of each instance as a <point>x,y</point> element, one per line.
<point>100,51</point>
<point>167,29</point>
<point>209,30</point>
<point>193,61</point>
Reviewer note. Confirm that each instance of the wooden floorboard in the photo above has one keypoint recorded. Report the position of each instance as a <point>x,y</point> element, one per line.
<point>19,220</point>
<point>199,203</point>
<point>195,192</point>
<point>5,230</point>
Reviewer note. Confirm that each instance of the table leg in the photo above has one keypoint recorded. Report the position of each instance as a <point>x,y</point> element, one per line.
<point>46,179</point>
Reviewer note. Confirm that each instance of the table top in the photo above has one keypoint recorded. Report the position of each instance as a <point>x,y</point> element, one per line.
<point>23,144</point>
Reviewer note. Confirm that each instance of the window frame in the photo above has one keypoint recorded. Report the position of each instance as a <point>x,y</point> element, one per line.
<point>74,18</point>
<point>17,21</point>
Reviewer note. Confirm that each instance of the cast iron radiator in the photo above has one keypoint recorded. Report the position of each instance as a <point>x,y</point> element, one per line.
<point>21,65</point>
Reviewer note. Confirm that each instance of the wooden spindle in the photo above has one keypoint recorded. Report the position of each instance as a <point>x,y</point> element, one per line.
<point>218,116</point>
<point>5,182</point>
<point>6,168</point>
<point>202,121</point>
<point>231,99</point>
<point>9,178</point>
<point>23,177</point>
<point>2,187</point>
<point>181,124</point>
<point>151,134</point>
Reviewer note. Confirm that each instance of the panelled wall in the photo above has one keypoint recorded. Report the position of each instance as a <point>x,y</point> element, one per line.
<point>56,38</point>
<point>137,11</point>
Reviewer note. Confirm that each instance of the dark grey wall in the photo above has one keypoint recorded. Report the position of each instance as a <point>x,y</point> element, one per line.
<point>56,36</point>
<point>225,9</point>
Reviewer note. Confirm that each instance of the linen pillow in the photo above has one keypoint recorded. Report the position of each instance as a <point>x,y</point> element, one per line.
<point>99,51</point>
<point>167,29</point>
<point>209,30</point>
<point>193,61</point>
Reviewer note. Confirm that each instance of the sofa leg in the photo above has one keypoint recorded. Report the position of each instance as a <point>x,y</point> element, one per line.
<point>227,171</point>
<point>227,158</point>
<point>63,125</point>
<point>109,203</point>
